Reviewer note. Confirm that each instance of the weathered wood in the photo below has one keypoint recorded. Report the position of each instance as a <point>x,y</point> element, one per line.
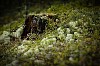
<point>33,24</point>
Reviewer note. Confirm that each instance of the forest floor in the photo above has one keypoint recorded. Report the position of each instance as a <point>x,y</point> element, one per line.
<point>72,40</point>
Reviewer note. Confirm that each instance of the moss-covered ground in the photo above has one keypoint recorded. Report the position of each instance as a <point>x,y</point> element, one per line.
<point>72,40</point>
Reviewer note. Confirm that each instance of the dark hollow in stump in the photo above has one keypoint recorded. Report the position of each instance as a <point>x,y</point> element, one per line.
<point>33,24</point>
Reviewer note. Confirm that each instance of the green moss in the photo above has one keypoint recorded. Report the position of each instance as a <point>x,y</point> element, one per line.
<point>61,53</point>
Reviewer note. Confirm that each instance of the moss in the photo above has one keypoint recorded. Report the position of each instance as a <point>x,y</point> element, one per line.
<point>51,46</point>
